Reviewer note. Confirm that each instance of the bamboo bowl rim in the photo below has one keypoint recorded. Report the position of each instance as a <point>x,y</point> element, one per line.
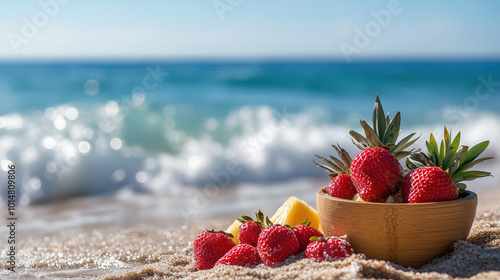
<point>470,195</point>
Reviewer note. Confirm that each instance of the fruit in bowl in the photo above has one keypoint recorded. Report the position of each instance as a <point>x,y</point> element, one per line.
<point>409,234</point>
<point>375,171</point>
<point>435,211</point>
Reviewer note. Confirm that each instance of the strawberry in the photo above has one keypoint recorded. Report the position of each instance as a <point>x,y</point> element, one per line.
<point>241,255</point>
<point>437,174</point>
<point>209,247</point>
<point>376,173</point>
<point>304,232</point>
<point>328,249</point>
<point>249,230</point>
<point>276,244</point>
<point>342,187</point>
<point>249,233</point>
<point>427,184</point>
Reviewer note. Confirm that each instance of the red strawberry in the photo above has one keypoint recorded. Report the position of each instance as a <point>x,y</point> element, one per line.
<point>249,233</point>
<point>342,187</point>
<point>304,233</point>
<point>276,244</point>
<point>376,173</point>
<point>241,255</point>
<point>437,174</point>
<point>209,247</point>
<point>329,249</point>
<point>428,184</point>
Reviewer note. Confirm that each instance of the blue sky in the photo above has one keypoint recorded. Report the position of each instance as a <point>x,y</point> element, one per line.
<point>248,29</point>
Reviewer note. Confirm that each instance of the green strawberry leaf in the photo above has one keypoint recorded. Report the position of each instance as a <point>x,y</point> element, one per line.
<point>475,151</point>
<point>469,165</point>
<point>441,154</point>
<point>268,222</point>
<point>247,218</point>
<point>317,238</point>
<point>372,136</point>
<point>469,175</point>
<point>432,148</point>
<point>447,138</point>
<point>379,123</point>
<point>392,131</point>
<point>404,143</point>
<point>343,154</point>
<point>359,140</point>
<point>463,150</point>
<point>410,164</point>
<point>339,164</point>
<point>461,186</point>
<point>325,167</point>
<point>456,142</point>
<point>331,164</point>
<point>260,216</point>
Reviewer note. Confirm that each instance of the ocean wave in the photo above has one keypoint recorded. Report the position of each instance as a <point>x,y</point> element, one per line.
<point>109,148</point>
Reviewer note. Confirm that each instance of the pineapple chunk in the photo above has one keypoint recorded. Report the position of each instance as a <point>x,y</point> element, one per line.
<point>356,197</point>
<point>233,229</point>
<point>293,212</point>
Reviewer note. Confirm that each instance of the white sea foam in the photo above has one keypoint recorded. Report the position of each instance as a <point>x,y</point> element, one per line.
<point>70,151</point>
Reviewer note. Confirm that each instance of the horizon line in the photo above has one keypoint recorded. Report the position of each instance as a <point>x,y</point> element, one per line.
<point>237,59</point>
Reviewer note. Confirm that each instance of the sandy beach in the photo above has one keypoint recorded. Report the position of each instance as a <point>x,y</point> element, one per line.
<point>147,250</point>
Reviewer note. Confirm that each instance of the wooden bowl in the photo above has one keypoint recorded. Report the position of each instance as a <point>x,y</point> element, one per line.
<point>409,234</point>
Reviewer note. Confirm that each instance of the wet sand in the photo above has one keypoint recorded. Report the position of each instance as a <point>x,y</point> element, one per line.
<point>146,250</point>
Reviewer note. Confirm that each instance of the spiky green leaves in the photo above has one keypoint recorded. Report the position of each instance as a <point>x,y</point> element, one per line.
<point>304,223</point>
<point>263,222</point>
<point>454,159</point>
<point>384,133</point>
<point>336,166</point>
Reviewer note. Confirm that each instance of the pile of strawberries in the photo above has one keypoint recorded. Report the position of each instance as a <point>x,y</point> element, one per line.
<point>263,242</point>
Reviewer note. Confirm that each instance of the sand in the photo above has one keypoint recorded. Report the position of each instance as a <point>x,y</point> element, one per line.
<point>146,251</point>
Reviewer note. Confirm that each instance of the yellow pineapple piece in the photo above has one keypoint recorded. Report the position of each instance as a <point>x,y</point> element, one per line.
<point>294,211</point>
<point>356,197</point>
<point>234,228</point>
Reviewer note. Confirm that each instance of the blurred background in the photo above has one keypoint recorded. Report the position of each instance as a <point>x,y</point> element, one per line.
<point>117,110</point>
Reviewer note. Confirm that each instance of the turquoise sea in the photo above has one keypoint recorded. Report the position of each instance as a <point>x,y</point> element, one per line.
<point>76,129</point>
